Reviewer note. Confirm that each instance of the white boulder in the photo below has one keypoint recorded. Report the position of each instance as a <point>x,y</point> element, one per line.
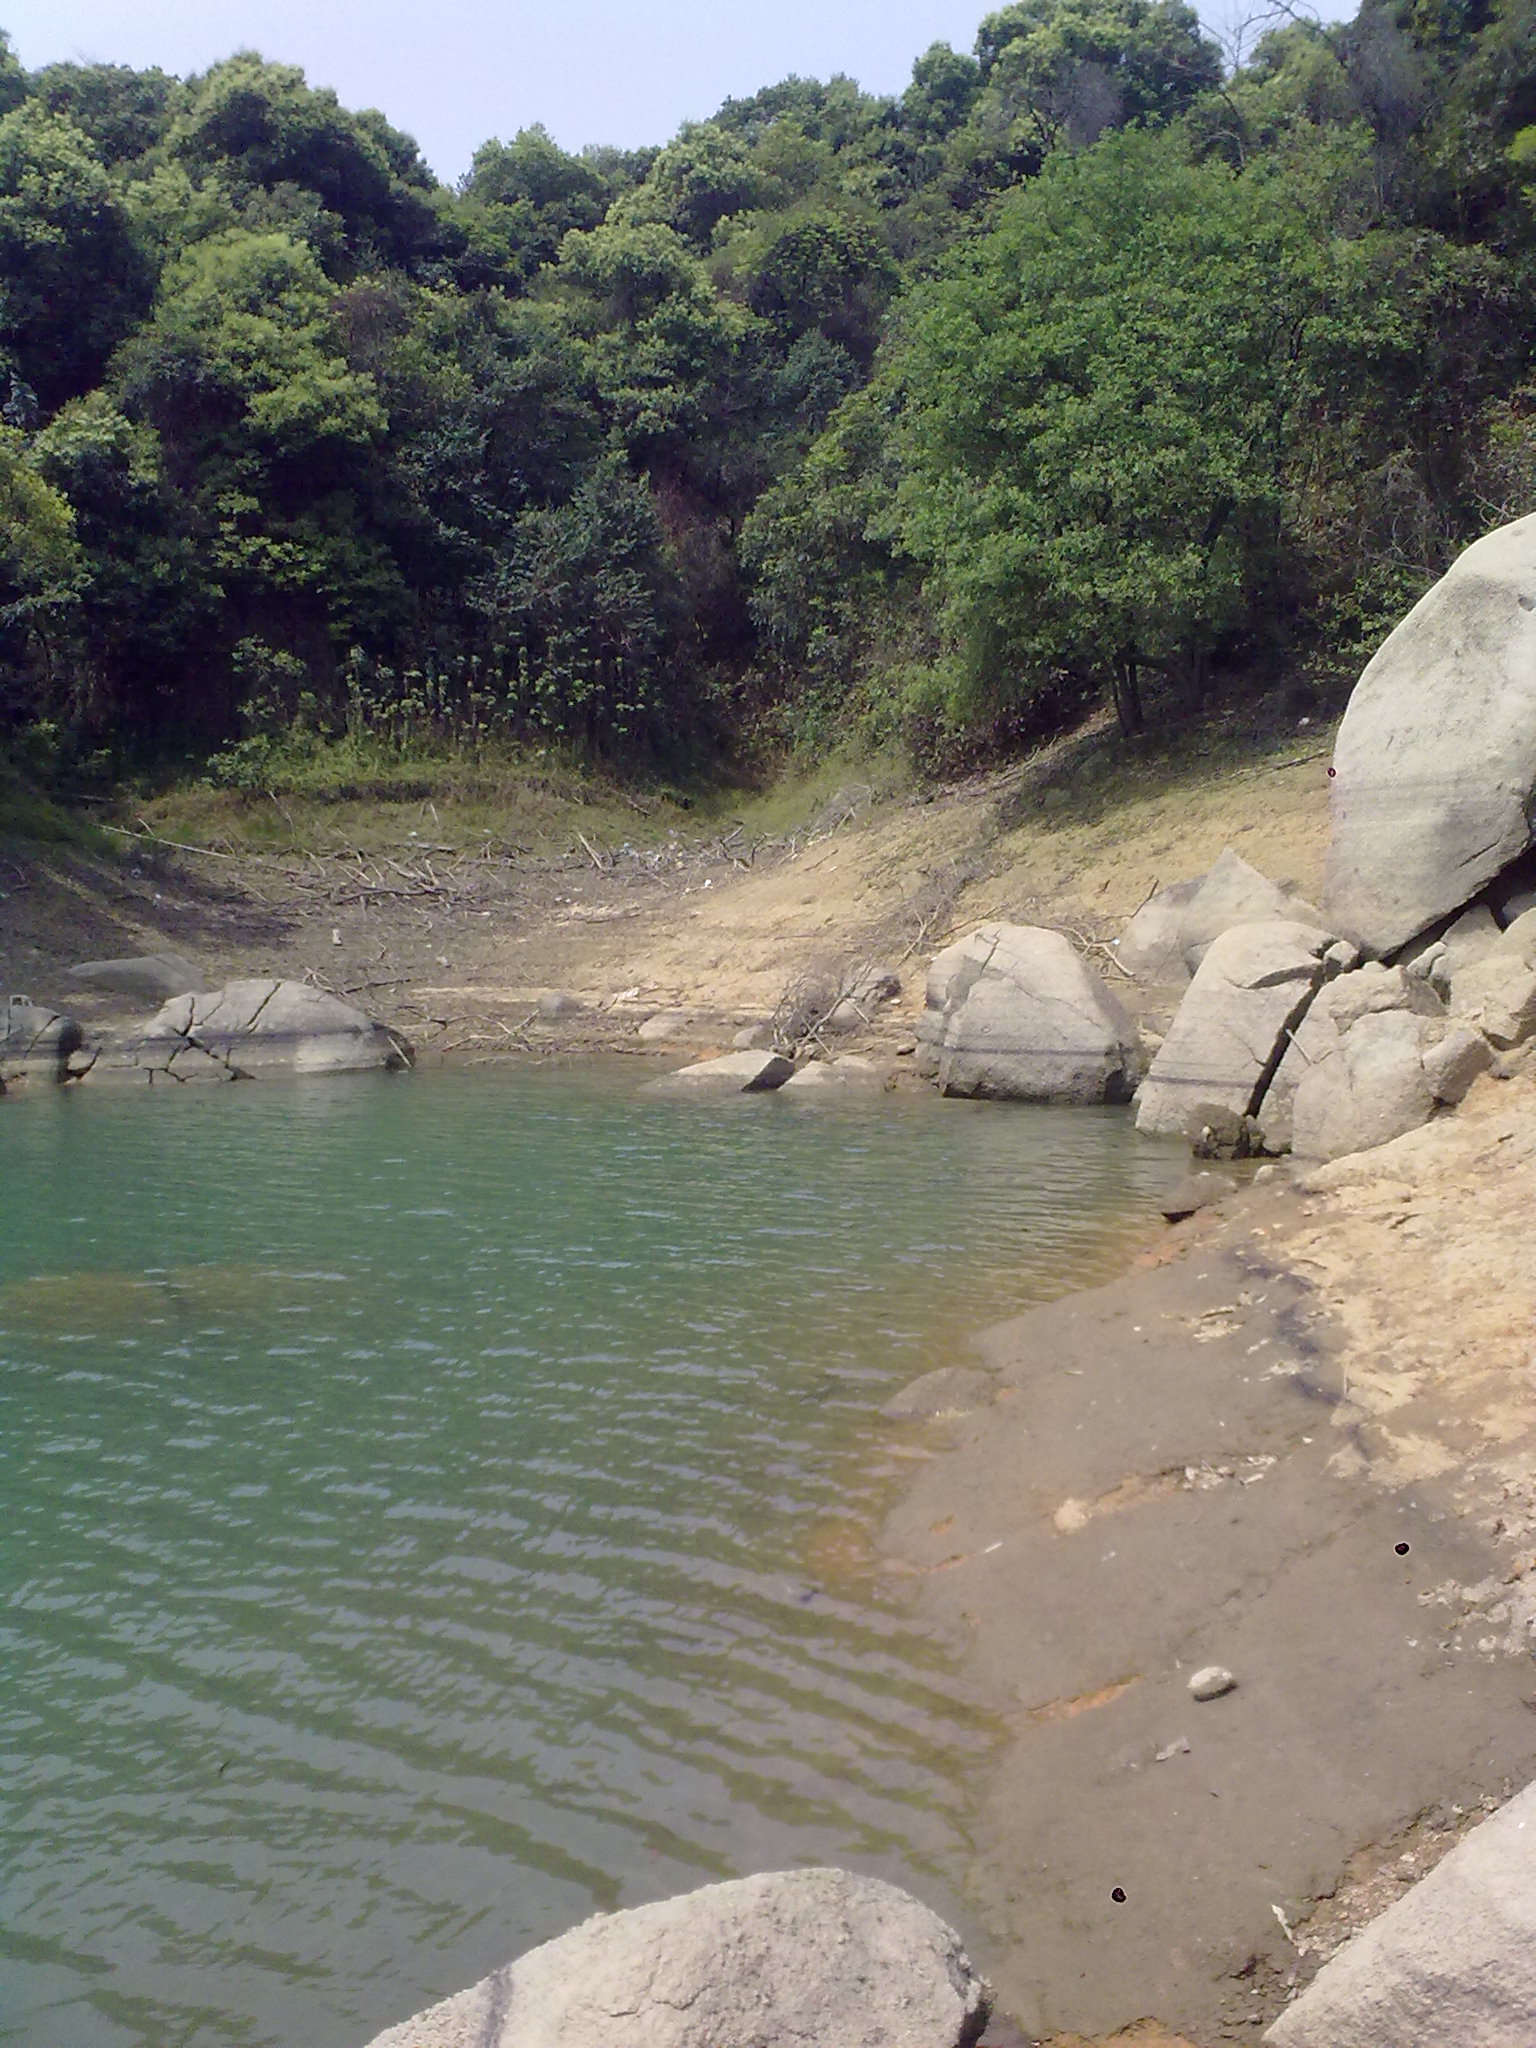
<point>1452,1964</point>
<point>1231,1031</point>
<point>1434,787</point>
<point>789,1959</point>
<point>1014,1014</point>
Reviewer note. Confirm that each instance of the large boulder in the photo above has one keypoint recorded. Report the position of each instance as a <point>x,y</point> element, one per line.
<point>1372,1089</point>
<point>1234,893</point>
<point>1368,991</point>
<point>1152,945</point>
<point>1169,935</point>
<point>1434,789</point>
<point>258,1027</point>
<point>1015,1015</point>
<point>36,1043</point>
<point>1452,1964</point>
<point>1232,1029</point>
<point>789,1959</point>
<point>150,977</point>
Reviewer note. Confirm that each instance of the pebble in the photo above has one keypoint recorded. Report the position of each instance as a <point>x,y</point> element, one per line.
<point>1211,1681</point>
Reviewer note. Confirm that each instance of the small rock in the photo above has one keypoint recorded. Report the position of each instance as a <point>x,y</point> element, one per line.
<point>556,1002</point>
<point>753,1038</point>
<point>155,977</point>
<point>737,1073</point>
<point>1210,1682</point>
<point>1178,1747</point>
<point>1195,1191</point>
<point>667,1024</point>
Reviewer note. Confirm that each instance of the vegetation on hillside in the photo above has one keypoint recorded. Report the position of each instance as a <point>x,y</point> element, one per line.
<point>1090,367</point>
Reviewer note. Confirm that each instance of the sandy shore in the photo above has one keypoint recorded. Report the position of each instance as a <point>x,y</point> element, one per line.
<point>1300,1442</point>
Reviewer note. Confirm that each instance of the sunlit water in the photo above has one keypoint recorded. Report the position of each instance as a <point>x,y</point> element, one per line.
<point>435,1509</point>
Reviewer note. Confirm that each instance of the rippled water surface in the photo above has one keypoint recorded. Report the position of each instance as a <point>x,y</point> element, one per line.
<point>435,1510</point>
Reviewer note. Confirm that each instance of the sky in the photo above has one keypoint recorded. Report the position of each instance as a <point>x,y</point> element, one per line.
<point>454,72</point>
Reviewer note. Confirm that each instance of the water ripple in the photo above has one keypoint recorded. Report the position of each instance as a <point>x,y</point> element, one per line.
<point>413,1506</point>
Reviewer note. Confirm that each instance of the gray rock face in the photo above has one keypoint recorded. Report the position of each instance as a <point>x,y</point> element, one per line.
<point>1235,893</point>
<point>1371,1090</point>
<point>1451,1965</point>
<point>261,1027</point>
<point>151,977</point>
<point>1232,1028</point>
<point>733,1073</point>
<point>1435,763</point>
<point>1152,945</point>
<point>1498,997</point>
<point>36,1044</point>
<point>790,1959</point>
<point>1454,1064</point>
<point>1370,989</point>
<point>1013,1014</point>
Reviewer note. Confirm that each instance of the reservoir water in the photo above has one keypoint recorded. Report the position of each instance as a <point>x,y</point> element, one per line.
<point>435,1510</point>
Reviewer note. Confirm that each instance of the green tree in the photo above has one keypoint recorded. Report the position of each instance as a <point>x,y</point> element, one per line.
<point>124,112</point>
<point>72,282</point>
<point>1098,404</point>
<point>257,127</point>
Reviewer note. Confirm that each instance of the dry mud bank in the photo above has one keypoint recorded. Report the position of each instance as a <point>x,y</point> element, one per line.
<point>1299,1442</point>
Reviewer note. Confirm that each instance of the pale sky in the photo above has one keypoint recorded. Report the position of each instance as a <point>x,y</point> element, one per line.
<point>454,72</point>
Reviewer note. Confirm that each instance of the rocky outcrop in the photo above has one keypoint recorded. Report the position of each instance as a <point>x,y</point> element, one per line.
<point>1369,990</point>
<point>37,1043</point>
<point>787,1958</point>
<point>1169,936</point>
<point>1015,1015</point>
<point>149,977</point>
<point>1434,789</point>
<point>1372,1089</point>
<point>1450,1965</point>
<point>259,1027</point>
<point>733,1073</point>
<point>1226,1043</point>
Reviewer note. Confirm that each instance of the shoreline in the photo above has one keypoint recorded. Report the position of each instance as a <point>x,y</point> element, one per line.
<point>1333,1500</point>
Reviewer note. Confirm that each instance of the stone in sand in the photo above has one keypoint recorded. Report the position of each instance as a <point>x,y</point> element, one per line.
<point>788,1959</point>
<point>1370,989</point>
<point>949,1390</point>
<point>1373,1089</point>
<point>1211,1682</point>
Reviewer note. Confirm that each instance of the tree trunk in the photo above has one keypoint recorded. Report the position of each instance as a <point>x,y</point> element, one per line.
<point>1127,688</point>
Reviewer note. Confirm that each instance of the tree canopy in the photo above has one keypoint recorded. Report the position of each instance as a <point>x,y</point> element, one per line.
<point>1087,365</point>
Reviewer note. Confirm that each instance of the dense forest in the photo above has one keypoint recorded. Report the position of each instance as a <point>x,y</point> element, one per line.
<point>1100,364</point>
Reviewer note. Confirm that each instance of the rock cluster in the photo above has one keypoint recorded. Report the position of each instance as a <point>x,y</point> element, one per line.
<point>795,1956</point>
<point>246,1029</point>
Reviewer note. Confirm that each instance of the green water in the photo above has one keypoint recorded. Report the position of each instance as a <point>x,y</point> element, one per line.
<point>432,1513</point>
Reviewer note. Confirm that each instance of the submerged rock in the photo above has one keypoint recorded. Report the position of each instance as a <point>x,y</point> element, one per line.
<point>36,1043</point>
<point>788,1959</point>
<point>733,1073</point>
